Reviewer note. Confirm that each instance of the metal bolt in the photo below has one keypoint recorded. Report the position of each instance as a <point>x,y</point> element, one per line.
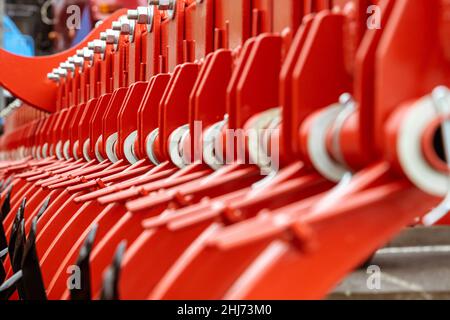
<point>116,25</point>
<point>145,15</point>
<point>112,37</point>
<point>53,77</point>
<point>80,53</point>
<point>91,45</point>
<point>167,5</point>
<point>78,61</point>
<point>68,66</point>
<point>126,26</point>
<point>132,14</point>
<point>88,54</point>
<point>61,73</point>
<point>163,4</point>
<point>99,46</point>
<point>103,36</point>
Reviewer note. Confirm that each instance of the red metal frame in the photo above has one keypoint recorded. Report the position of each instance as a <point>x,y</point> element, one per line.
<point>231,233</point>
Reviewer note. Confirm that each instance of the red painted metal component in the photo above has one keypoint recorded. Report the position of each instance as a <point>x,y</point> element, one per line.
<point>43,94</point>
<point>138,131</point>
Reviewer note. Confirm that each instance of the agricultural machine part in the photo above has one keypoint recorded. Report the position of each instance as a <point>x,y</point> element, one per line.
<point>235,147</point>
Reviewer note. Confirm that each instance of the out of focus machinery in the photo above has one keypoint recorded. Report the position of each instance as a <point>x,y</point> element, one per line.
<point>12,40</point>
<point>224,149</point>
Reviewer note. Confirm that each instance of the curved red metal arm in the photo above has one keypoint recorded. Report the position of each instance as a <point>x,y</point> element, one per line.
<point>26,78</point>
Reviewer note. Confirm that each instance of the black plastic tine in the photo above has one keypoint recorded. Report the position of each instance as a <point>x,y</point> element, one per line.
<point>44,207</point>
<point>3,241</point>
<point>83,292</point>
<point>18,254</point>
<point>111,277</point>
<point>15,227</point>
<point>6,206</point>
<point>19,246</point>
<point>3,255</point>
<point>12,240</point>
<point>2,272</point>
<point>22,208</point>
<point>9,286</point>
<point>32,280</point>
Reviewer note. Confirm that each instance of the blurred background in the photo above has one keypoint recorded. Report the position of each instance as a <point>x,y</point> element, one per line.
<point>43,27</point>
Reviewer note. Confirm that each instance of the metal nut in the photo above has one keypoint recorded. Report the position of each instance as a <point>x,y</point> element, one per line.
<point>61,73</point>
<point>78,61</point>
<point>163,4</point>
<point>126,26</point>
<point>68,66</point>
<point>53,77</point>
<point>144,15</point>
<point>88,54</point>
<point>99,46</point>
<point>116,25</point>
<point>112,37</point>
<point>132,14</point>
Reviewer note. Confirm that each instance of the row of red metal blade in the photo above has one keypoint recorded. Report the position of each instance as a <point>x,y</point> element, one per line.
<point>193,232</point>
